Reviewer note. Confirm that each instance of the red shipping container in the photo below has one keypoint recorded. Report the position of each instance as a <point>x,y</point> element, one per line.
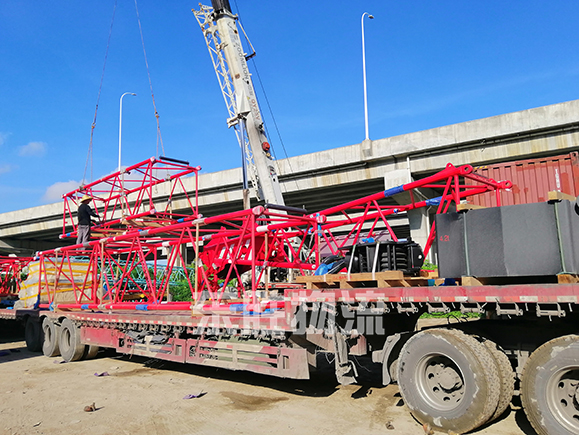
<point>532,179</point>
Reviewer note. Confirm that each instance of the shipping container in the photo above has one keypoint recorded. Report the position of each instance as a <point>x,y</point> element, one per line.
<point>532,179</point>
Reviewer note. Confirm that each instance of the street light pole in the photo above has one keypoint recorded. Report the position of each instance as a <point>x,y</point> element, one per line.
<point>121,123</point>
<point>364,68</point>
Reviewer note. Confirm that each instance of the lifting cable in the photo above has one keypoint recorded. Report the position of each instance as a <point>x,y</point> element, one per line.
<point>270,112</point>
<point>275,124</point>
<point>89,155</point>
<point>159,137</point>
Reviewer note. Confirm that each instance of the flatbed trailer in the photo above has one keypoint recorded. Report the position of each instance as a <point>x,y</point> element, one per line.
<point>530,332</point>
<point>362,298</point>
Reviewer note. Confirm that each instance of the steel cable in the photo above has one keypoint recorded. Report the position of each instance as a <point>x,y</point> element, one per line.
<point>159,137</point>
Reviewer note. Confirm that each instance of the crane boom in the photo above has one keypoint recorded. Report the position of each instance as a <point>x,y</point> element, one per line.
<point>219,26</point>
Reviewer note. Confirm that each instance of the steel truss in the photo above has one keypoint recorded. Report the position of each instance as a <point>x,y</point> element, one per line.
<point>124,199</point>
<point>230,246</point>
<point>11,270</point>
<point>364,211</point>
<point>205,17</point>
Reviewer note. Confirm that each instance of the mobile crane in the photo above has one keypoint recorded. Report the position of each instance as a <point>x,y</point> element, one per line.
<point>219,26</point>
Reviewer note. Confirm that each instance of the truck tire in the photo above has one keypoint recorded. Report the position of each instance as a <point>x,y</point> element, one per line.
<point>33,335</point>
<point>71,349</point>
<point>506,377</point>
<point>91,351</point>
<point>448,379</point>
<point>550,387</point>
<point>51,332</point>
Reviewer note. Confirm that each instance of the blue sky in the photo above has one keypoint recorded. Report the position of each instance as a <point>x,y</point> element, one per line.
<point>429,63</point>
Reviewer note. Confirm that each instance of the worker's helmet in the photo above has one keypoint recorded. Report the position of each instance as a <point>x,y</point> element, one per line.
<point>85,198</point>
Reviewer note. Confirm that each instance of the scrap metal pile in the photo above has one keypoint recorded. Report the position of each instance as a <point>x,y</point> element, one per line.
<point>234,252</point>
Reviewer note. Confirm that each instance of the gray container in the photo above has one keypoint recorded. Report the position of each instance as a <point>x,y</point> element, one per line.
<point>537,239</point>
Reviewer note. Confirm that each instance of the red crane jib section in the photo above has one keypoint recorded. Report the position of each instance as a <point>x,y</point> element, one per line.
<point>125,199</point>
<point>235,251</point>
<point>11,271</point>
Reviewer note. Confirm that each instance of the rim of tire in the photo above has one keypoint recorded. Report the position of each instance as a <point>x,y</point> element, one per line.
<point>550,387</point>
<point>563,396</point>
<point>441,381</point>
<point>448,380</point>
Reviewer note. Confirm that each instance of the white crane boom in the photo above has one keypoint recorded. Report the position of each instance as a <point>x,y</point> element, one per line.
<point>219,27</point>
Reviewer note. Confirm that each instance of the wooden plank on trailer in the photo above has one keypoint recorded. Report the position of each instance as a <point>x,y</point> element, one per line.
<point>554,195</point>
<point>432,274</point>
<point>465,207</point>
<point>346,284</point>
<point>471,281</point>
<point>394,278</point>
<point>366,276</point>
<point>567,278</point>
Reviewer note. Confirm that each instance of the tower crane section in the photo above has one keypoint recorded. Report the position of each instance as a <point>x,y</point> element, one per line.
<point>219,26</point>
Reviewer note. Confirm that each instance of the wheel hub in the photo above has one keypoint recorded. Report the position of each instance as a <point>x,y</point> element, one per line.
<point>442,382</point>
<point>449,379</point>
<point>565,398</point>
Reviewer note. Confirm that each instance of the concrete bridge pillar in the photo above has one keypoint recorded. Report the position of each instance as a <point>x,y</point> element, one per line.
<point>418,219</point>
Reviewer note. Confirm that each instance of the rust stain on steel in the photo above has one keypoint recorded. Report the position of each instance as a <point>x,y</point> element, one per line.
<point>532,179</point>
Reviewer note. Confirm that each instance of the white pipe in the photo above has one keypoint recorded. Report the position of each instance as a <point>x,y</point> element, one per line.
<point>364,69</point>
<point>121,123</point>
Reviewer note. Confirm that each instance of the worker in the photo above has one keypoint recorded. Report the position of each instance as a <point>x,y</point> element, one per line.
<point>84,220</point>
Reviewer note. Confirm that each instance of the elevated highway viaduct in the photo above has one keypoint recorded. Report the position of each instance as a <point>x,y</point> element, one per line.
<point>325,178</point>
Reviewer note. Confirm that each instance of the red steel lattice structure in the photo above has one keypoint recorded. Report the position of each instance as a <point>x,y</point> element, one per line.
<point>228,245</point>
<point>11,269</point>
<point>124,199</point>
<point>456,183</point>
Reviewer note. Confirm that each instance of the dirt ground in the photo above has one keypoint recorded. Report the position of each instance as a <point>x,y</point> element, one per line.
<point>41,395</point>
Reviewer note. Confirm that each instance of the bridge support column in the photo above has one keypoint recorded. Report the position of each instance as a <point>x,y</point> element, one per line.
<point>419,227</point>
<point>418,219</point>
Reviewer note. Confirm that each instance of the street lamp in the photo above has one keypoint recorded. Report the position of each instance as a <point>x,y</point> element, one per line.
<point>121,123</point>
<point>364,68</point>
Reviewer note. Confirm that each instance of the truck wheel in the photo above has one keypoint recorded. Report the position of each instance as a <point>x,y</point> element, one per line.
<point>90,352</point>
<point>448,380</point>
<point>51,332</point>
<point>550,387</point>
<point>506,377</point>
<point>33,335</point>
<point>71,349</point>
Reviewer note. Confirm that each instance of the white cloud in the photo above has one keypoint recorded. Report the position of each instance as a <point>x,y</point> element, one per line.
<point>54,193</point>
<point>4,169</point>
<point>3,137</point>
<point>32,149</point>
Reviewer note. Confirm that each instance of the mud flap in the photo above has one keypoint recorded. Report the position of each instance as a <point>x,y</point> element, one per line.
<point>382,356</point>
<point>346,372</point>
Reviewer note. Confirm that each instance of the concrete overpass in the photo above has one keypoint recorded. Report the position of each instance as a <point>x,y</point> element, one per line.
<point>322,179</point>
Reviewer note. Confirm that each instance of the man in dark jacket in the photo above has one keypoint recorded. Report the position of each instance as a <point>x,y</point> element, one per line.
<point>84,221</point>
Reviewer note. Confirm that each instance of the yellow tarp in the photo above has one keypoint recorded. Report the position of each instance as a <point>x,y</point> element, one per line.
<point>72,276</point>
